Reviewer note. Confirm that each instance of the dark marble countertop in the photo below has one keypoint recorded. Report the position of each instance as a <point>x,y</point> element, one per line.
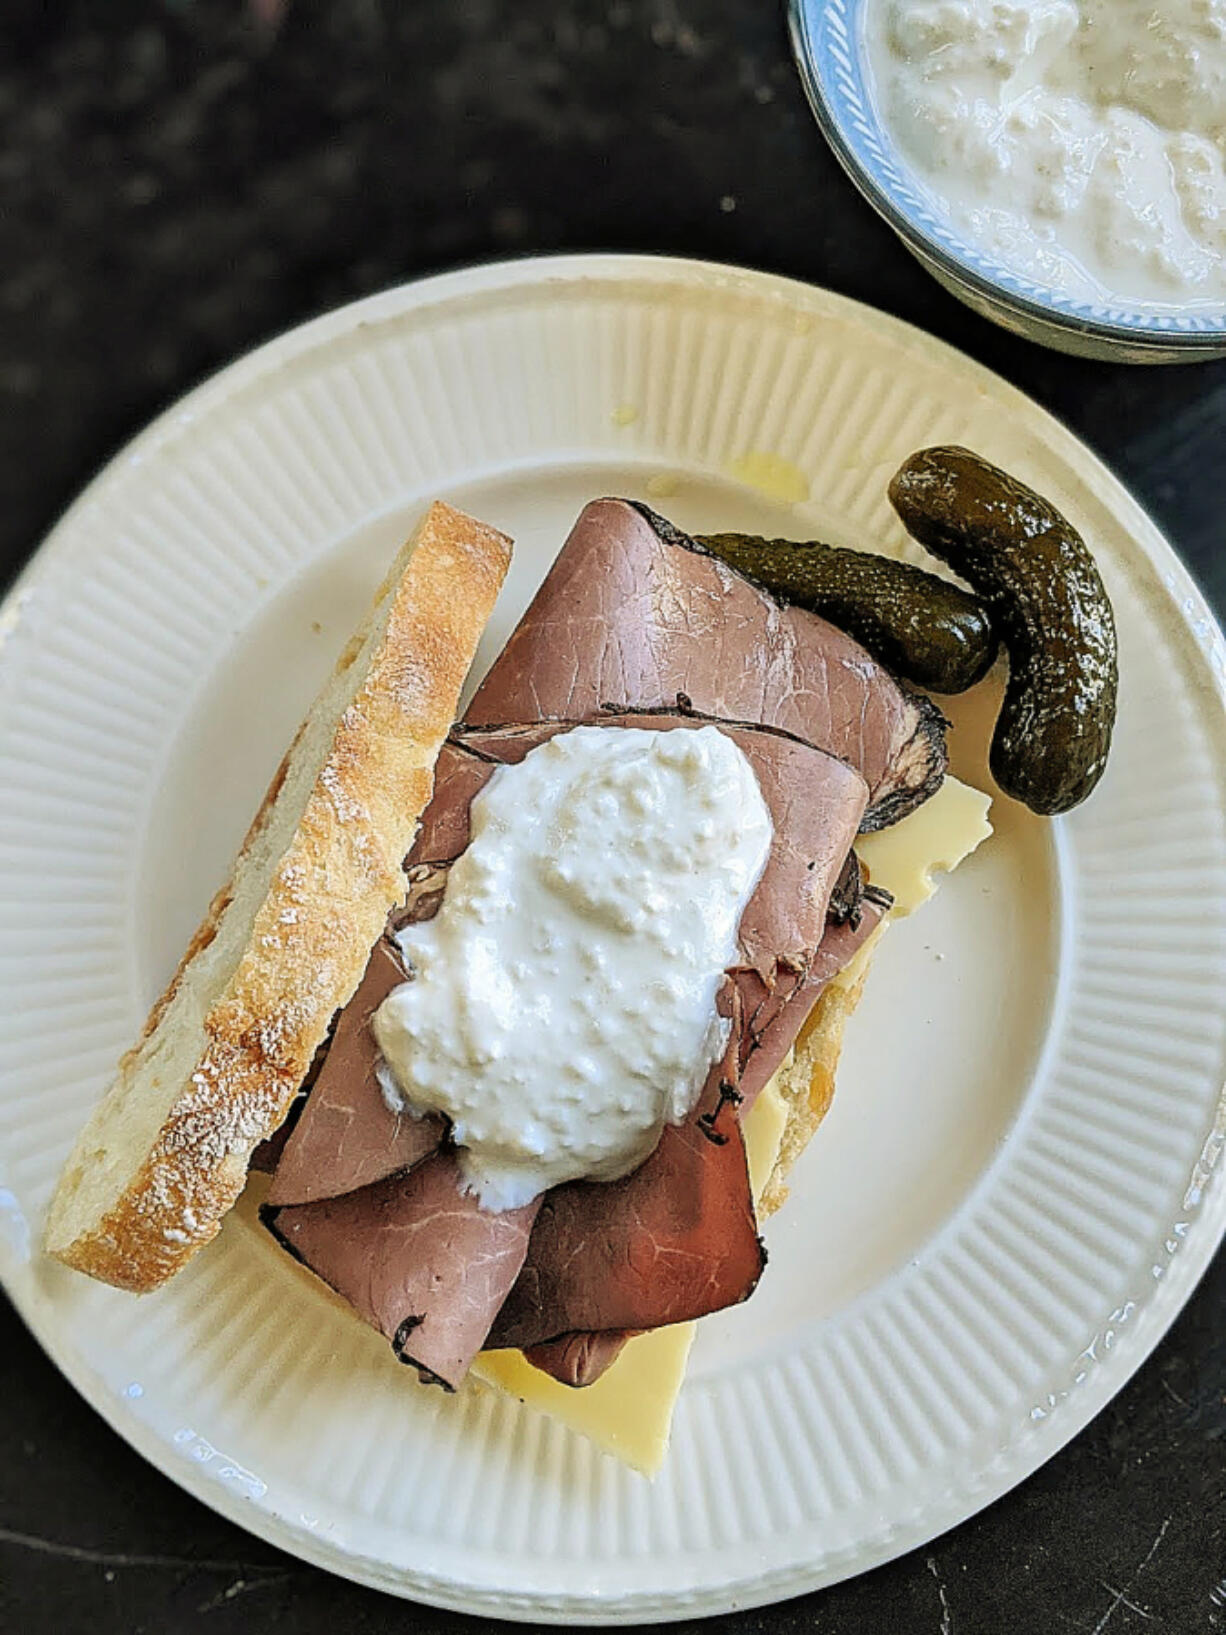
<point>178,182</point>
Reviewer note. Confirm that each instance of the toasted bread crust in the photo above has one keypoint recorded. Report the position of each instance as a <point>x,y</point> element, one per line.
<point>331,890</point>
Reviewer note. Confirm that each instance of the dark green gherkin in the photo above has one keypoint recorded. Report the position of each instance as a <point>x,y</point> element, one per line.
<point>1046,598</point>
<point>924,629</point>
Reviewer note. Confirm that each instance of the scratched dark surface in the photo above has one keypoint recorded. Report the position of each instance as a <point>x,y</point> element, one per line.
<point>175,185</point>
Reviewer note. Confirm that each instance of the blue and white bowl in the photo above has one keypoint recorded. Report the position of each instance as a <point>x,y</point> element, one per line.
<point>828,39</point>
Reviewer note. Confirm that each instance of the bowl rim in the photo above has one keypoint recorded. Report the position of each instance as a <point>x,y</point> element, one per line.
<point>826,111</point>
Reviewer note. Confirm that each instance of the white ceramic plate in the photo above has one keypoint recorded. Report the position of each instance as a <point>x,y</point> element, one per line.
<point>1014,1193</point>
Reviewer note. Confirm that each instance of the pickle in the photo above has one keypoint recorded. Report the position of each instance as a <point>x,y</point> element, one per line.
<point>924,629</point>
<point>1048,602</point>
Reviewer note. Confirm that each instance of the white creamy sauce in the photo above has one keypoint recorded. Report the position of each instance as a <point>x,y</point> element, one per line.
<point>1079,142</point>
<point>562,1002</point>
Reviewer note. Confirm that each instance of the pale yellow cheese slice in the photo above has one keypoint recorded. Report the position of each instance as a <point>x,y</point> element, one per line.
<point>763,1132</point>
<point>629,1410</point>
<point>938,836</point>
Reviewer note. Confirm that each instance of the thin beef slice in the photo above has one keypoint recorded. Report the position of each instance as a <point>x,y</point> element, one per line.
<point>634,614</point>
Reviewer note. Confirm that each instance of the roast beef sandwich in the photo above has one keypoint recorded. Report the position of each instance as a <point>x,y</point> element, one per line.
<point>529,1014</point>
<point>529,1132</point>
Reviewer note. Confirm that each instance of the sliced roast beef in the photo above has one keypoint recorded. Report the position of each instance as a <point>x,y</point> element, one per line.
<point>583,1227</point>
<point>673,1240</point>
<point>690,1210</point>
<point>350,1134</point>
<point>633,613</point>
<point>421,1260</point>
<point>417,1259</point>
<point>580,1359</point>
<point>634,626</point>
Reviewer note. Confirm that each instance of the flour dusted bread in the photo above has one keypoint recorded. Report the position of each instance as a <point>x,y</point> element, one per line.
<point>286,939</point>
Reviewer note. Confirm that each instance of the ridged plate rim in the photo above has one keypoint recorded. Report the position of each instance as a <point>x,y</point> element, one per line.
<point>1202,644</point>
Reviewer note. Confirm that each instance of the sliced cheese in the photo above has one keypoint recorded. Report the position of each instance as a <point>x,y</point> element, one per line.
<point>629,1410</point>
<point>939,835</point>
<point>763,1132</point>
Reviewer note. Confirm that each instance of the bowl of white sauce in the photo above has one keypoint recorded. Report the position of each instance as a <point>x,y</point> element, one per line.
<point>1057,164</point>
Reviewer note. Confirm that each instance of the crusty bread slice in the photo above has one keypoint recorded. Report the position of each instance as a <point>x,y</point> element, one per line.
<point>286,939</point>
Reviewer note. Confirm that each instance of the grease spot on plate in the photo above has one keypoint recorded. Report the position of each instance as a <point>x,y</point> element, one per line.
<point>771,475</point>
